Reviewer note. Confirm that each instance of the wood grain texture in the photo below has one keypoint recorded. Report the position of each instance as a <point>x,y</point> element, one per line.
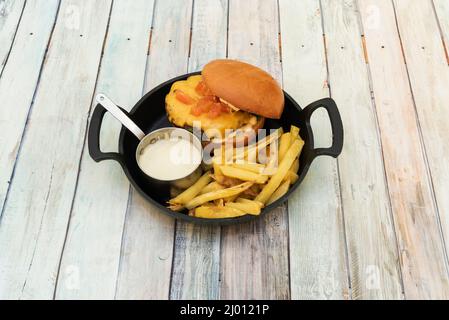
<point>10,14</point>
<point>19,80</point>
<point>254,258</point>
<point>209,32</point>
<point>148,239</point>
<point>196,263</point>
<point>95,231</point>
<point>429,76</point>
<point>369,228</point>
<point>442,12</point>
<point>414,212</point>
<point>36,214</point>
<point>317,244</point>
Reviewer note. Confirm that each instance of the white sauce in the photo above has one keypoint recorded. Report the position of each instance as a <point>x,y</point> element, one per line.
<point>169,159</point>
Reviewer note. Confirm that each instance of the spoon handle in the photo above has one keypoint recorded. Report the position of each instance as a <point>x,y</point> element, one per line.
<point>119,115</point>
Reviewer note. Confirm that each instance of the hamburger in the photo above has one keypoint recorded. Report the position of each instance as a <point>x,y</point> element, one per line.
<point>228,95</point>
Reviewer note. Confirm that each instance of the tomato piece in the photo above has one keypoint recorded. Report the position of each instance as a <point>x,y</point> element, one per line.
<point>214,111</point>
<point>196,111</point>
<point>202,89</point>
<point>205,103</point>
<point>184,98</point>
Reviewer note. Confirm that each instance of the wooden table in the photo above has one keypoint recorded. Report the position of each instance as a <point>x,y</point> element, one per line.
<point>373,224</point>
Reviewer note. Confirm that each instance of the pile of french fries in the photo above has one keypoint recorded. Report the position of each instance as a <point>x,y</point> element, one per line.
<point>243,180</point>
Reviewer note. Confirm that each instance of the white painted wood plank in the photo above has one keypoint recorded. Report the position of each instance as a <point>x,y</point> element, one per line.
<point>147,251</point>
<point>10,13</point>
<point>416,219</point>
<point>35,218</point>
<point>19,80</point>
<point>429,76</point>
<point>317,244</point>
<point>209,32</point>
<point>196,264</point>
<point>254,261</point>
<point>369,228</point>
<point>442,12</point>
<point>95,231</point>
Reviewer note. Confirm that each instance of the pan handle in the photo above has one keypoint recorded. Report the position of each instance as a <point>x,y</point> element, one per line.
<point>337,126</point>
<point>94,138</point>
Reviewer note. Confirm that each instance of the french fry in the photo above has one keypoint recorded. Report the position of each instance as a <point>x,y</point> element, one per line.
<point>294,133</point>
<point>295,166</point>
<point>263,143</point>
<point>253,167</point>
<point>291,176</point>
<point>216,166</point>
<point>176,207</point>
<point>191,192</point>
<point>280,191</point>
<point>243,174</point>
<point>215,212</point>
<point>213,186</point>
<point>224,193</point>
<point>250,207</point>
<point>263,155</point>
<point>216,162</point>
<point>283,168</point>
<point>272,164</point>
<point>231,198</point>
<point>244,200</point>
<point>284,145</point>
<point>251,157</point>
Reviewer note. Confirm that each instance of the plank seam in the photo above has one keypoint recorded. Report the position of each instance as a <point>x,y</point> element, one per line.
<point>220,270</point>
<point>190,34</point>
<point>13,39</point>
<point>220,228</point>
<point>423,146</point>
<point>441,31</point>
<point>445,50</point>
<point>175,226</point>
<point>148,52</point>
<point>149,40</point>
<point>82,153</point>
<point>285,204</point>
<point>130,187</point>
<point>343,222</point>
<point>365,51</point>
<point>22,137</point>
<point>379,138</point>
<point>280,39</point>
<point>220,276</point>
<point>122,240</point>
<point>151,32</point>
<point>39,230</point>
<point>227,35</point>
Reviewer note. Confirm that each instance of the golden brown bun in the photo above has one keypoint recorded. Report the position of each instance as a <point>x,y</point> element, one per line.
<point>245,86</point>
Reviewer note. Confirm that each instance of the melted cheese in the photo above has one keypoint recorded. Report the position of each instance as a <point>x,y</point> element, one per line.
<point>180,113</point>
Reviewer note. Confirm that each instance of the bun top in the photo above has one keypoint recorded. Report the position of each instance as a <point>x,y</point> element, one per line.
<point>245,86</point>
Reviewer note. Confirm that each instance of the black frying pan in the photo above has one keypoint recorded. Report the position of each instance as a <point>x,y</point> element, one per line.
<point>149,114</point>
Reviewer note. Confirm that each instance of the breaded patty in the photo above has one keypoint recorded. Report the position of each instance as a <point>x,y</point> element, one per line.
<point>184,113</point>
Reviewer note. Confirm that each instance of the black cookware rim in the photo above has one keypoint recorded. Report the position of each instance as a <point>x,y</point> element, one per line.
<point>221,221</point>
